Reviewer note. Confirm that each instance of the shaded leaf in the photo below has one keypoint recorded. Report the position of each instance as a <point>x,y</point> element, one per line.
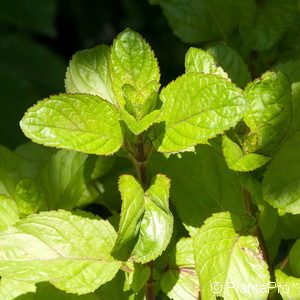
<point>39,20</point>
<point>269,111</point>
<point>180,281</point>
<point>232,63</point>
<point>290,69</point>
<point>281,184</point>
<point>263,24</point>
<point>199,20</point>
<point>294,262</point>
<point>36,156</point>
<point>63,179</point>
<point>201,185</point>
<point>11,171</point>
<point>30,197</point>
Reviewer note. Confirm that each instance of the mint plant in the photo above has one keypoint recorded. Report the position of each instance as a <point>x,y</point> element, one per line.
<point>210,190</point>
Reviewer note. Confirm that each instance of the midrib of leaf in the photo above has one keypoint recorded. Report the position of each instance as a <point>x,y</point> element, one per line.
<point>131,74</point>
<point>200,113</point>
<point>216,21</point>
<point>60,257</point>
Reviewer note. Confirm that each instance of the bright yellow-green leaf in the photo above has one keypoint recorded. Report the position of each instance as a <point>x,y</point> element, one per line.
<point>146,223</point>
<point>288,286</point>
<point>225,259</point>
<point>198,60</point>
<point>269,111</point>
<point>196,108</point>
<point>237,160</point>
<point>78,122</point>
<point>10,289</point>
<point>132,62</point>
<point>68,250</point>
<point>88,73</point>
<point>8,212</point>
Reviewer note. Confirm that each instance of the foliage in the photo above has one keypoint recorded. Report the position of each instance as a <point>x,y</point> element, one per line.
<point>194,187</point>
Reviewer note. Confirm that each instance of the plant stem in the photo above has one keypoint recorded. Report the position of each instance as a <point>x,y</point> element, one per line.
<point>258,233</point>
<point>140,162</point>
<point>149,285</point>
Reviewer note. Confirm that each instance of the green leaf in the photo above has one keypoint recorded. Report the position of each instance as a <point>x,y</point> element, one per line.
<point>180,281</point>
<point>8,212</point>
<point>157,224</point>
<point>196,108</point>
<point>237,160</point>
<point>32,63</point>
<point>102,165</point>
<point>232,63</point>
<point>78,122</point>
<point>138,126</point>
<point>140,102</point>
<point>36,156</point>
<point>11,289</point>
<point>137,277</point>
<point>263,24</point>
<point>88,73</point>
<point>295,124</point>
<point>294,262</point>
<point>290,69</point>
<point>222,256</point>
<point>28,71</point>
<point>133,63</point>
<point>267,217</point>
<point>289,226</point>
<point>63,179</point>
<point>37,249</point>
<point>289,286</point>
<point>139,111</point>
<point>114,289</point>
<point>281,184</point>
<point>30,197</point>
<point>198,60</point>
<point>201,185</point>
<point>200,20</point>
<point>46,291</point>
<point>146,223</point>
<point>269,112</point>
<point>132,211</point>
<point>11,171</point>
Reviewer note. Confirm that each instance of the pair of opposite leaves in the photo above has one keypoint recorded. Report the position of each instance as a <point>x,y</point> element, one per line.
<point>107,85</point>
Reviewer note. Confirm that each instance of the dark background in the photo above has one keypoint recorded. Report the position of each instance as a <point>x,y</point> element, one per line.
<point>38,37</point>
